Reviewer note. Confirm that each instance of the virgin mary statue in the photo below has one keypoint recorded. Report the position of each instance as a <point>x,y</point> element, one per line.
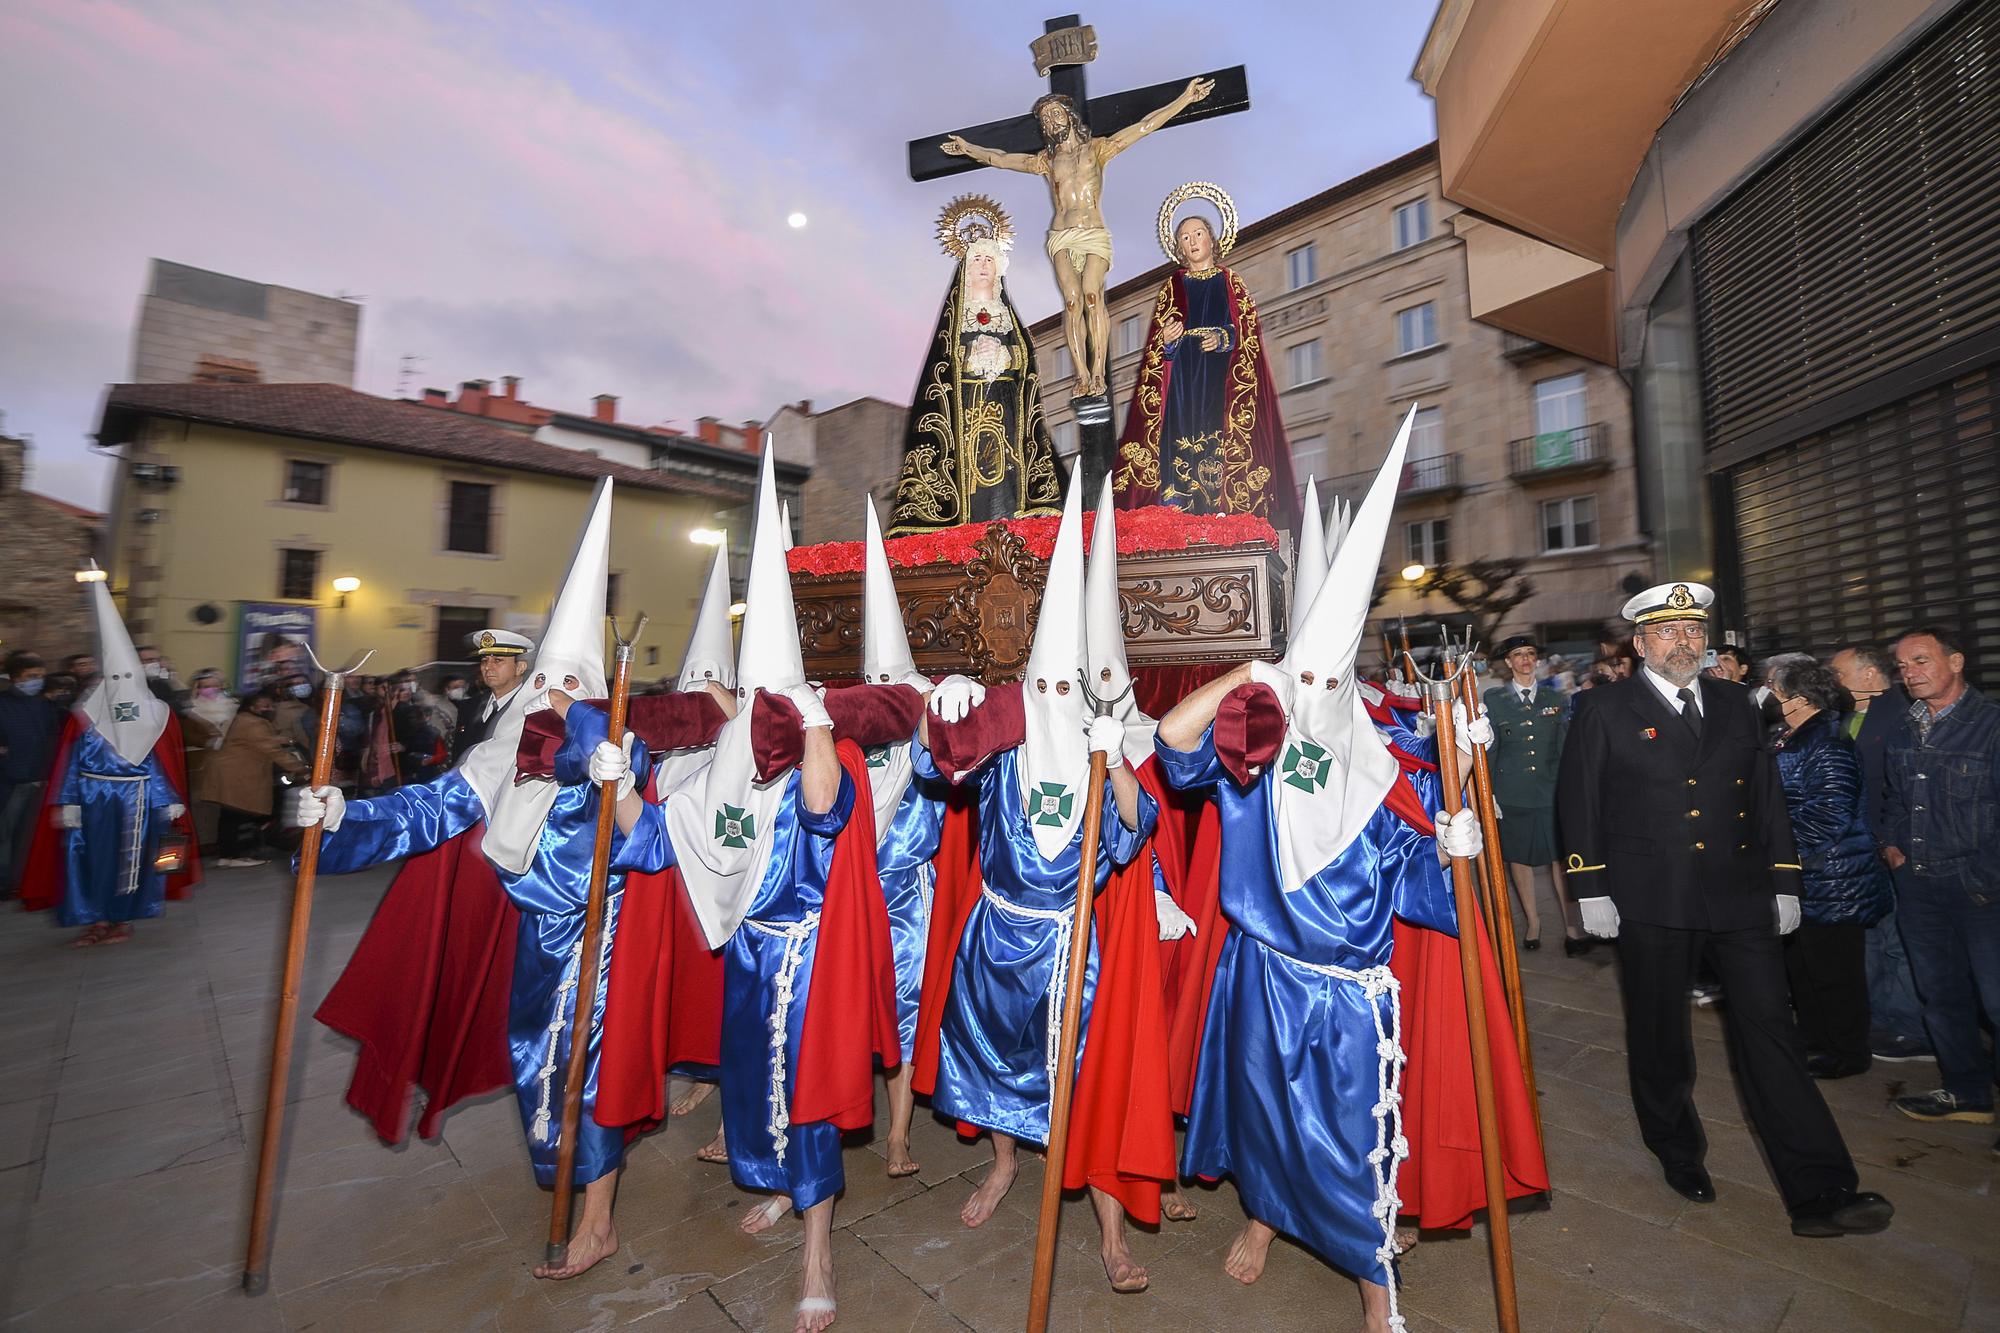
<point>976,448</point>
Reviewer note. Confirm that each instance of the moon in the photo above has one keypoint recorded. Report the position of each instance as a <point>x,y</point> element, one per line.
<point>796,221</point>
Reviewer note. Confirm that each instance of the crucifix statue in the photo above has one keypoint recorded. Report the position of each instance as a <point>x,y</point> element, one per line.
<point>1068,137</point>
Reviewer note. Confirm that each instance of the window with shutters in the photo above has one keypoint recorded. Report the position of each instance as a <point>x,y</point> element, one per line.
<point>1569,524</point>
<point>1302,364</point>
<point>298,574</point>
<point>1416,328</point>
<point>1301,267</point>
<point>1412,223</point>
<point>305,482</point>
<point>1425,542</point>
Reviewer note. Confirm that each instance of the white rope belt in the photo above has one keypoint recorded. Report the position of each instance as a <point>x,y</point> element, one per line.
<point>135,832</point>
<point>794,934</point>
<point>542,1131</point>
<point>1390,1145</point>
<point>1058,977</point>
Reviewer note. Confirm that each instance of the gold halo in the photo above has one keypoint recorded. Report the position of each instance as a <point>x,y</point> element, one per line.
<point>1216,195</point>
<point>973,217</point>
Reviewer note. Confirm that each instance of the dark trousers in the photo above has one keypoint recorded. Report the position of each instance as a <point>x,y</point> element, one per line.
<point>1828,967</point>
<point>1655,966</point>
<point>1953,935</point>
<point>239,834</point>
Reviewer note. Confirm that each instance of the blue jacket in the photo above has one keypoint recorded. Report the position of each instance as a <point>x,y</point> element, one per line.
<point>1843,881</point>
<point>1942,810</point>
<point>29,725</point>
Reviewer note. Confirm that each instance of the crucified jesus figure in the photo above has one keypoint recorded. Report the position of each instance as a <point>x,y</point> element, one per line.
<point>1079,244</point>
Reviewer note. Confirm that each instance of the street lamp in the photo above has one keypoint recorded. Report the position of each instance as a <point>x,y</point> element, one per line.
<point>344,585</point>
<point>91,575</point>
<point>707,536</point>
<point>736,609</point>
<point>1413,571</point>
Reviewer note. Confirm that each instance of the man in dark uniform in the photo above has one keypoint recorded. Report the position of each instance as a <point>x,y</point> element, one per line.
<point>1680,848</point>
<point>1529,719</point>
<point>503,660</point>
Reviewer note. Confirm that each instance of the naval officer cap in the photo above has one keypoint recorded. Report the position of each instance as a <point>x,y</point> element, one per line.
<point>1670,601</point>
<point>499,643</point>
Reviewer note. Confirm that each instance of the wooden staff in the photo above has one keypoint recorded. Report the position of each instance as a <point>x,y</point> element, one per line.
<point>1499,1239</point>
<point>1409,659</point>
<point>584,1011</point>
<point>257,1261</point>
<point>1500,915</point>
<point>1043,1287</point>
<point>1388,656</point>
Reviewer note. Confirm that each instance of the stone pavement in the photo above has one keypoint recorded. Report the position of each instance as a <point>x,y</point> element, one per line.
<point>131,1090</point>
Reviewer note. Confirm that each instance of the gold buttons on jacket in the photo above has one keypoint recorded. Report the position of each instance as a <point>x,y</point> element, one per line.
<point>1694,814</point>
<point>1739,782</point>
<point>1692,781</point>
<point>1701,846</point>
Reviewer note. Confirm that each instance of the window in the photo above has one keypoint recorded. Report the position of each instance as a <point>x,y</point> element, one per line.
<point>470,525</point>
<point>1309,457</point>
<point>1063,435</point>
<point>1416,328</point>
<point>1569,525</point>
<point>1059,365</point>
<point>1559,404</point>
<point>1302,361</point>
<point>1413,223</point>
<point>305,483</point>
<point>611,594</point>
<point>1425,542</point>
<point>1131,334</point>
<point>1300,267</point>
<point>1427,434</point>
<point>298,575</point>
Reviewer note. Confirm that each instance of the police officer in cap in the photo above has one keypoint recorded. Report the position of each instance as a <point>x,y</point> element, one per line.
<point>1529,719</point>
<point>1680,849</point>
<point>502,656</point>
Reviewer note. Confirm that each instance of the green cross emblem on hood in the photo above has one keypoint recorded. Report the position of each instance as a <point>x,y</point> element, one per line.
<point>124,712</point>
<point>878,756</point>
<point>1305,766</point>
<point>734,827</point>
<point>1050,804</point>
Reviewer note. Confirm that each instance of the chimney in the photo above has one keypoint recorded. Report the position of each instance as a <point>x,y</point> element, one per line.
<point>472,397</point>
<point>513,383</point>
<point>436,398</point>
<point>708,429</point>
<point>604,407</point>
<point>805,407</point>
<point>753,436</point>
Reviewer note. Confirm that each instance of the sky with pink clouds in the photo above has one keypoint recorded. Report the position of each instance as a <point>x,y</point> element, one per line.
<point>593,197</point>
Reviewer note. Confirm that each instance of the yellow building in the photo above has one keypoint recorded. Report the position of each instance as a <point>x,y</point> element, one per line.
<point>244,508</point>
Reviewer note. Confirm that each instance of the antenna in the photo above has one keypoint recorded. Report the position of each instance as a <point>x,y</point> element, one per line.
<point>408,365</point>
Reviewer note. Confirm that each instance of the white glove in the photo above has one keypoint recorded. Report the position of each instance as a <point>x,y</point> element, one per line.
<point>1788,913</point>
<point>175,811</point>
<point>1469,732</point>
<point>1459,837</point>
<point>812,708</point>
<point>1174,923</point>
<point>955,696</point>
<point>1107,737</point>
<point>916,680</point>
<point>69,816</point>
<point>319,805</point>
<point>613,763</point>
<point>1600,917</point>
<point>1402,688</point>
<point>1281,683</point>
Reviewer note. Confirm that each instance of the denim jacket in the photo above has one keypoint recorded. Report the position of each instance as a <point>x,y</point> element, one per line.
<point>1942,809</point>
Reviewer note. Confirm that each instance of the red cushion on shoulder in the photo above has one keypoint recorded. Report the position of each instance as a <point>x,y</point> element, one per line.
<point>1249,728</point>
<point>1000,723</point>
<point>874,714</point>
<point>777,734</point>
<point>681,720</point>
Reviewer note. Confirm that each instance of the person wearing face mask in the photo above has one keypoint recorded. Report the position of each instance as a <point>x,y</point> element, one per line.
<point>204,722</point>
<point>1680,849</point>
<point>160,676</point>
<point>28,727</point>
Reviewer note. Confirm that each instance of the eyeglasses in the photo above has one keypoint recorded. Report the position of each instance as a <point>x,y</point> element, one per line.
<point>1675,632</point>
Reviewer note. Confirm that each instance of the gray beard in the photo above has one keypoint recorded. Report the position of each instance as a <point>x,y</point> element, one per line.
<point>1672,677</point>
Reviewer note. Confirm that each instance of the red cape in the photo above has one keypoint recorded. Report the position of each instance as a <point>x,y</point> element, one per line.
<point>662,1002</point>
<point>42,874</point>
<point>426,990</point>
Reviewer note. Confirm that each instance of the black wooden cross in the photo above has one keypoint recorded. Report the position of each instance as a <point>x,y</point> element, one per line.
<point>1103,115</point>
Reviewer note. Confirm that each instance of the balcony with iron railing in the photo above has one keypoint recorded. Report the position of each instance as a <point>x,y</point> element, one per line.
<point>1573,452</point>
<point>1437,474</point>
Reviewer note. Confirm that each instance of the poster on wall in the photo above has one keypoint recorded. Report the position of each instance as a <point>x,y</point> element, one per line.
<point>271,642</point>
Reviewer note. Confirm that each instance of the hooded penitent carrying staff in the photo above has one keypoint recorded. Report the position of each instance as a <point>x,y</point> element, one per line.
<point>257,1261</point>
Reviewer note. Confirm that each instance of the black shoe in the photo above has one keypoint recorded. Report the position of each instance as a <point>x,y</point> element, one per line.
<point>1941,1105</point>
<point>1533,944</point>
<point>1895,1050</point>
<point>1579,947</point>
<point>1843,1213</point>
<point>1821,1065</point>
<point>1690,1181</point>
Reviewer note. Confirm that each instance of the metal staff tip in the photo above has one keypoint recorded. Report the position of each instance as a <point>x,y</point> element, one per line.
<point>621,643</point>
<point>353,666</point>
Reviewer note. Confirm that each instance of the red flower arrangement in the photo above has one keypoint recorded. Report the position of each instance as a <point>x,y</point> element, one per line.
<point>1155,528</point>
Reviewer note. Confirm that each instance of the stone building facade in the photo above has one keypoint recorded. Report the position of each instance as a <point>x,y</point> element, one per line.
<point>854,448</point>
<point>43,542</point>
<point>1522,450</point>
<point>195,325</point>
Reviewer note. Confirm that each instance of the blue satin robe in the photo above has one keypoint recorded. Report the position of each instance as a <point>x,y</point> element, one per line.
<point>108,873</point>
<point>994,1033</point>
<point>1288,1067</point>
<point>794,884</point>
<point>904,855</point>
<point>551,895</point>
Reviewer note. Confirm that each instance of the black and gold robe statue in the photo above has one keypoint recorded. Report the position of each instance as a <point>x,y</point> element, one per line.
<point>976,448</point>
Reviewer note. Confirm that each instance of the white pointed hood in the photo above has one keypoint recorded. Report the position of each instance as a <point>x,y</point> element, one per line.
<point>1337,524</point>
<point>1334,771</point>
<point>1309,557</point>
<point>720,820</point>
<point>1055,753</point>
<point>785,520</point>
<point>711,650</point>
<point>124,711</point>
<point>571,647</point>
<point>1104,635</point>
<point>885,660</point>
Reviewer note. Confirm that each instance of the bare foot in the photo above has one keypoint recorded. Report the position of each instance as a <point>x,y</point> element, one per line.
<point>1246,1256</point>
<point>94,935</point>
<point>766,1214</point>
<point>586,1248</point>
<point>1406,1237</point>
<point>990,1192</point>
<point>900,1162</point>
<point>715,1150</point>
<point>118,934</point>
<point>815,1309</point>
<point>1126,1276</point>
<point>696,1094</point>
<point>1177,1207</point>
